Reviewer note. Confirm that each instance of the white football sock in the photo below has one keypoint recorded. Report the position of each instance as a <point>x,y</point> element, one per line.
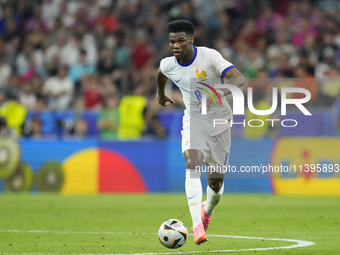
<point>213,198</point>
<point>193,189</point>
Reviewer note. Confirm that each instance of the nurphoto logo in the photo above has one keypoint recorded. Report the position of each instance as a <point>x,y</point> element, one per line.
<point>239,104</point>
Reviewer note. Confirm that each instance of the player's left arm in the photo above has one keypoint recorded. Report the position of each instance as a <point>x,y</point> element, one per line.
<point>225,69</point>
<point>161,97</point>
<point>234,78</point>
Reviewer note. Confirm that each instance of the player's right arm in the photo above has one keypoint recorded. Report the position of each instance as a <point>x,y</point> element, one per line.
<point>162,98</point>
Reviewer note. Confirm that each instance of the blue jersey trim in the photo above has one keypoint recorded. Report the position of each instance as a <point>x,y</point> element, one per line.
<point>226,70</point>
<point>193,59</point>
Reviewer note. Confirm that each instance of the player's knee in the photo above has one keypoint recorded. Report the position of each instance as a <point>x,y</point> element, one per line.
<point>192,163</point>
<point>215,185</point>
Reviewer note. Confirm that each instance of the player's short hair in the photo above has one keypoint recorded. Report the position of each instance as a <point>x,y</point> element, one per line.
<point>181,25</point>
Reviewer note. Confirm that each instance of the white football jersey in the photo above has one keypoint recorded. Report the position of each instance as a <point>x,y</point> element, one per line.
<point>207,68</point>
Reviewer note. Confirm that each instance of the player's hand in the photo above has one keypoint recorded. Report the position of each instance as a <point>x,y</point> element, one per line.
<point>164,100</point>
<point>210,103</point>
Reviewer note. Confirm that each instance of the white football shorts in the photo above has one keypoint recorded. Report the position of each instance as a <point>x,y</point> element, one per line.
<point>216,149</point>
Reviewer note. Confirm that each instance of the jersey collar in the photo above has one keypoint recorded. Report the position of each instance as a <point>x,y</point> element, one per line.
<point>193,59</point>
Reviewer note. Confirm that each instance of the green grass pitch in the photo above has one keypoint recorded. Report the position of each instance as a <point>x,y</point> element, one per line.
<point>127,224</point>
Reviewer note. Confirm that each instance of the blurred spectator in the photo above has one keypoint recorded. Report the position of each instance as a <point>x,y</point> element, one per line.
<point>74,6</point>
<point>281,46</point>
<point>122,53</point>
<point>100,34</point>
<point>36,18</point>
<point>304,29</point>
<point>2,97</point>
<point>260,102</point>
<point>242,48</point>
<point>36,36</point>
<point>50,10</point>
<point>154,126</point>
<point>322,68</point>
<point>330,89</point>
<point>59,90</point>
<point>24,10</point>
<point>131,115</point>
<point>108,119</point>
<point>328,46</point>
<point>66,50</point>
<point>336,115</point>
<point>309,50</point>
<point>5,131</point>
<point>80,128</point>
<point>92,93</point>
<point>107,85</point>
<point>58,47</point>
<point>52,31</point>
<point>32,69</point>
<point>282,67</point>
<point>86,41</point>
<point>40,104</point>
<point>261,81</point>
<point>13,85</point>
<point>94,8</point>
<point>78,105</point>
<point>81,68</point>
<point>12,30</point>
<point>35,132</point>
<point>304,61</point>
<point>14,113</point>
<point>82,18</point>
<point>5,73</point>
<point>109,21</point>
<point>24,63</point>
<point>26,97</point>
<point>253,63</point>
<point>303,80</point>
<point>224,48</point>
<point>268,21</point>
<point>105,63</point>
<point>53,64</point>
<point>8,51</point>
<point>142,52</point>
<point>66,17</point>
<point>8,16</point>
<point>36,83</point>
<point>328,5</point>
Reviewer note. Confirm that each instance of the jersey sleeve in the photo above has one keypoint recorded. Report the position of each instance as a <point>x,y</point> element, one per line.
<point>219,63</point>
<point>164,67</point>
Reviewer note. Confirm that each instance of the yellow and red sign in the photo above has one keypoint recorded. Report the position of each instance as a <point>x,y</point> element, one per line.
<point>313,163</point>
<point>93,170</point>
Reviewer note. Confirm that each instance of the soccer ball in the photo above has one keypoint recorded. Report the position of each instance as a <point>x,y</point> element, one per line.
<point>173,234</point>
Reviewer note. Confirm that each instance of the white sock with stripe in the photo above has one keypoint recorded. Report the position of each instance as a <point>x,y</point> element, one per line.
<point>213,198</point>
<point>193,190</point>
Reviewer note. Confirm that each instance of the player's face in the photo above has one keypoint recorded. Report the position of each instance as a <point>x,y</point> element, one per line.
<point>181,44</point>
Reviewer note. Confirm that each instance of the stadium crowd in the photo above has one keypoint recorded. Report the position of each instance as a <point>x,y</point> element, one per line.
<point>102,55</point>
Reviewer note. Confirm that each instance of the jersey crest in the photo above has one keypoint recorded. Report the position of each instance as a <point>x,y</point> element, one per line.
<point>201,74</point>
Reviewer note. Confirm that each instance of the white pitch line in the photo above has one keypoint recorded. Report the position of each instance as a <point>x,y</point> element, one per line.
<point>299,243</point>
